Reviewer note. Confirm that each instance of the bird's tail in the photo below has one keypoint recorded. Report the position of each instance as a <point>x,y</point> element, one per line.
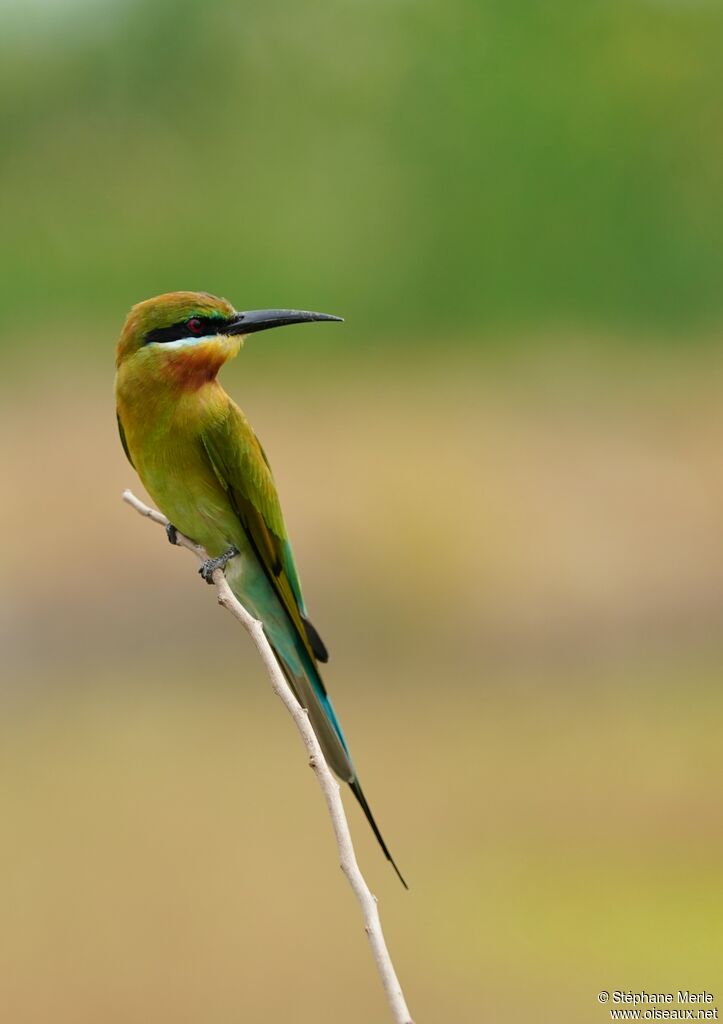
<point>311,693</point>
<point>358,793</point>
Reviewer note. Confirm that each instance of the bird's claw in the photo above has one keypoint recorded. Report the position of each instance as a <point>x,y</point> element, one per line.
<point>211,564</point>
<point>171,533</point>
<point>207,570</point>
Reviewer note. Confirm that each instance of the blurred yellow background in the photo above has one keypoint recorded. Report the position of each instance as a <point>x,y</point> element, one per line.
<point>502,478</point>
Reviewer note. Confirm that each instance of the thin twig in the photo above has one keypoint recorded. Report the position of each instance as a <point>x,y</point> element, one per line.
<point>329,785</point>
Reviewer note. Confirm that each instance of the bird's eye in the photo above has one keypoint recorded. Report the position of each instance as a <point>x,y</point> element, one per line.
<point>195,325</point>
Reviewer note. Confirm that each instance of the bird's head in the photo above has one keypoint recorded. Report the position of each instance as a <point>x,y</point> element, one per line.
<point>189,335</point>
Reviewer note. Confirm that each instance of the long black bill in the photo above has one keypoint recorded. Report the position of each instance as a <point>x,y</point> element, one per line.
<point>263,319</point>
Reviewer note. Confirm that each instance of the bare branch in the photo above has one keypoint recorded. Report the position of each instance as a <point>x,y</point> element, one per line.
<point>329,785</point>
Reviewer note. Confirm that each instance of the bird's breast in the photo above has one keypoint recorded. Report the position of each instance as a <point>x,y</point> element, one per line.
<point>166,446</point>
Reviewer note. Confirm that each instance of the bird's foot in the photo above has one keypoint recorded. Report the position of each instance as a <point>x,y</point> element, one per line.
<point>210,565</point>
<point>171,533</point>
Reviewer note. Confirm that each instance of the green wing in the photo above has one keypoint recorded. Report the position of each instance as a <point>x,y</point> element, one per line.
<point>122,433</point>
<point>286,554</point>
<point>241,466</point>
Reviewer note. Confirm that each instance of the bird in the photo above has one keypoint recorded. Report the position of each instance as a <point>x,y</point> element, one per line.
<point>201,462</point>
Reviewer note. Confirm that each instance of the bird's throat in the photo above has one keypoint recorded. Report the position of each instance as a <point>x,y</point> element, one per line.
<point>188,363</point>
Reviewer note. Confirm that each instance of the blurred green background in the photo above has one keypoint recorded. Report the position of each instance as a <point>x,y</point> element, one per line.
<point>502,477</point>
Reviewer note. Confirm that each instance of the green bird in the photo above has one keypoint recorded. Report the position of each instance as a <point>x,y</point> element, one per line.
<point>203,465</point>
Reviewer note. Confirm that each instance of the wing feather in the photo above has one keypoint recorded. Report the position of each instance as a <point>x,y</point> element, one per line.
<point>241,466</point>
<point>122,433</point>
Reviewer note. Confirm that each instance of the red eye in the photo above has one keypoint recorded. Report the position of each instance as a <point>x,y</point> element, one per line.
<point>195,325</point>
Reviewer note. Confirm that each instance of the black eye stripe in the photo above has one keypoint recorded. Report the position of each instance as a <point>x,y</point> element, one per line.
<point>211,325</point>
